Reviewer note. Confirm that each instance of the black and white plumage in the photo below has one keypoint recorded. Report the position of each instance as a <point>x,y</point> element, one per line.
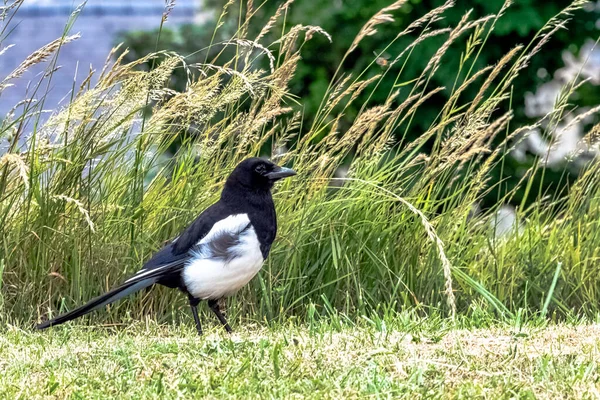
<point>219,253</point>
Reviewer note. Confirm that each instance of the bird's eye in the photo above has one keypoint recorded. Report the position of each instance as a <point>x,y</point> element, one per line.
<point>261,169</point>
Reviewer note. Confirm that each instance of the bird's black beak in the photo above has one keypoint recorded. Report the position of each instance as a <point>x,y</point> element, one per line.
<point>280,173</point>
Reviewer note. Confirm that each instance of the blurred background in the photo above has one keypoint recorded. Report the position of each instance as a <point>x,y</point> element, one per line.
<point>38,22</point>
<point>571,57</point>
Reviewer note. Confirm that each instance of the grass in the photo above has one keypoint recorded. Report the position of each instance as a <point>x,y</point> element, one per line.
<point>382,282</point>
<point>405,357</point>
<point>87,196</point>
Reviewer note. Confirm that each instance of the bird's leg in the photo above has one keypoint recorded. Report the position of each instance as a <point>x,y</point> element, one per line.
<point>214,305</point>
<point>194,306</point>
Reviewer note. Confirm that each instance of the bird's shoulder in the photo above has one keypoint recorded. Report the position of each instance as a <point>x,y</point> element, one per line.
<point>216,224</point>
<point>218,213</point>
<point>178,248</point>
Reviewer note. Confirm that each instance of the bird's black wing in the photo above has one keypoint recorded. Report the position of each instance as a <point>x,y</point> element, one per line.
<point>200,227</point>
<point>178,249</point>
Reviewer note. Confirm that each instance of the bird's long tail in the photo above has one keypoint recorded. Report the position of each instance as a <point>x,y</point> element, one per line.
<point>125,289</point>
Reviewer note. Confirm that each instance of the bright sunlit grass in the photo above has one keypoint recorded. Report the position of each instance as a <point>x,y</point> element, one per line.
<point>403,358</point>
<point>382,281</point>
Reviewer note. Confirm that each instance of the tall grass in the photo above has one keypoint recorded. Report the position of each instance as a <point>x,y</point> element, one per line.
<point>86,196</point>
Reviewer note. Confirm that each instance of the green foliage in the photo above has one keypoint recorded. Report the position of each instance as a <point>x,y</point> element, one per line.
<point>343,20</point>
<point>79,212</point>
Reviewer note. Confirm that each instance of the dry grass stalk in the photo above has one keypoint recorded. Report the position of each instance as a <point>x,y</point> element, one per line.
<point>280,79</point>
<point>249,12</point>
<point>420,39</point>
<point>398,110</point>
<point>586,143</point>
<point>119,71</point>
<point>497,68</point>
<point>355,89</point>
<point>455,95</point>
<point>6,8</point>
<point>169,5</point>
<point>334,148</point>
<point>11,112</point>
<point>266,116</point>
<point>548,30</point>
<point>336,145</point>
<point>252,45</point>
<point>110,107</point>
<point>85,83</point>
<point>462,27</point>
<point>108,62</point>
<point>382,16</point>
<point>37,57</point>
<point>288,40</point>
<point>222,16</point>
<point>5,49</point>
<point>19,166</point>
<point>483,143</point>
<point>427,19</point>
<point>422,99</point>
<point>365,126</point>
<point>560,17</point>
<point>584,187</point>
<point>312,29</point>
<point>394,115</point>
<point>481,174</point>
<point>384,139</point>
<point>592,138</point>
<point>582,116</point>
<point>233,73</point>
<point>421,140</point>
<point>543,40</point>
<point>80,207</point>
<point>269,25</point>
<point>334,96</point>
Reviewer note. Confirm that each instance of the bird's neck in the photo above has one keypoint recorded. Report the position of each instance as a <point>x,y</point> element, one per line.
<point>259,206</point>
<point>245,199</point>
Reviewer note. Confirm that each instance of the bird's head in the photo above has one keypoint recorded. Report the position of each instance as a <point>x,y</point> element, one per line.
<point>257,173</point>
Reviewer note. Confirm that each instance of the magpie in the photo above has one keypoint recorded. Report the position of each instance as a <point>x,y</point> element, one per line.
<point>218,253</point>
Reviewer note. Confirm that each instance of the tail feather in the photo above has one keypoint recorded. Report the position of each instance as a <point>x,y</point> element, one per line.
<point>118,293</point>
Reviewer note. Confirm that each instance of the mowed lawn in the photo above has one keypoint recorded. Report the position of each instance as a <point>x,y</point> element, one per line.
<point>170,361</point>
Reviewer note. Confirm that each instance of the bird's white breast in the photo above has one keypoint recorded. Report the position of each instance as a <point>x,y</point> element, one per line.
<point>207,277</point>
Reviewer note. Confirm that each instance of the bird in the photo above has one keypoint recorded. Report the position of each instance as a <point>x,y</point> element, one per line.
<point>218,253</point>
